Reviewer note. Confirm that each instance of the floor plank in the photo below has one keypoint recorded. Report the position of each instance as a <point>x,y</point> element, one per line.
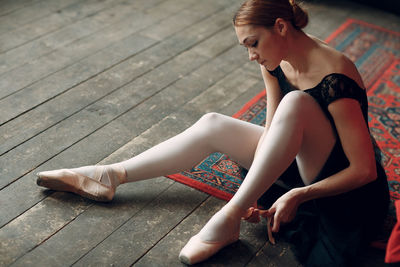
<point>10,6</point>
<point>52,22</point>
<point>29,13</point>
<point>62,48</point>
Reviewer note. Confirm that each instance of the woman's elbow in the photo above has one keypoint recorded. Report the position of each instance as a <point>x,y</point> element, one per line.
<point>365,173</point>
<point>369,173</point>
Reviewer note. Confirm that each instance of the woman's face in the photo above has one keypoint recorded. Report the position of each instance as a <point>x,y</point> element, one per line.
<point>265,45</point>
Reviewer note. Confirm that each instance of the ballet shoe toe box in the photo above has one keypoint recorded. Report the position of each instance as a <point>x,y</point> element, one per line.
<point>197,250</point>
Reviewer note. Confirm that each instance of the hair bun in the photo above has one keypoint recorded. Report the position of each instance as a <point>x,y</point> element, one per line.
<point>265,12</point>
<point>300,16</point>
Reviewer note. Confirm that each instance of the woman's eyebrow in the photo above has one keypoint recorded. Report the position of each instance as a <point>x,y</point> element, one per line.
<point>245,40</point>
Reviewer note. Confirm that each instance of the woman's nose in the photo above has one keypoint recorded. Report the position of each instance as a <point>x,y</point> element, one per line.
<point>252,55</point>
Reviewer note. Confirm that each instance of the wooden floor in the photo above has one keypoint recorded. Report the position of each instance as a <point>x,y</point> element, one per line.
<point>98,81</point>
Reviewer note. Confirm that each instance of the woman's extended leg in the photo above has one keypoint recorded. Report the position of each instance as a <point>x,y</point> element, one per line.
<point>212,133</point>
<point>299,129</point>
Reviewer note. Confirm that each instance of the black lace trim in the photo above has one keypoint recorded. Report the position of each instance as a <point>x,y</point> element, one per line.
<point>335,86</point>
<point>332,87</point>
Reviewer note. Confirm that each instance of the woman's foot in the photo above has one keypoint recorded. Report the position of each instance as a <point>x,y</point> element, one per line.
<point>94,182</point>
<point>220,231</point>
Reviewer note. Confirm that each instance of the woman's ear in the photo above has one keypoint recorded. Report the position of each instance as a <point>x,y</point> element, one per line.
<point>280,26</point>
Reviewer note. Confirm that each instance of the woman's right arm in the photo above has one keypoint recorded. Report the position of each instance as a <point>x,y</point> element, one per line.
<point>274,96</point>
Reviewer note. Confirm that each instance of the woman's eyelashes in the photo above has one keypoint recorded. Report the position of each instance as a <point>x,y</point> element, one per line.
<point>253,45</point>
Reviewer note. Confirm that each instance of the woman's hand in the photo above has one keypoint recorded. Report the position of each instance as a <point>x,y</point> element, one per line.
<point>284,209</point>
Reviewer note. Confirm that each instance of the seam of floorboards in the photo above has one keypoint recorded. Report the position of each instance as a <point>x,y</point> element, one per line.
<point>89,104</point>
<point>137,53</point>
<point>155,243</point>
<point>80,59</point>
<point>64,48</point>
<point>55,29</point>
<point>163,62</point>
<point>30,6</point>
<point>83,211</point>
<point>67,89</point>
<point>21,7</point>
<point>107,6</point>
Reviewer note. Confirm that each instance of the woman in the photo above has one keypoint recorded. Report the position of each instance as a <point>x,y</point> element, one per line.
<point>316,137</point>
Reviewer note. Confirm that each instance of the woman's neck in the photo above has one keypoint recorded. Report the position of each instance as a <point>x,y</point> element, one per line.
<point>300,47</point>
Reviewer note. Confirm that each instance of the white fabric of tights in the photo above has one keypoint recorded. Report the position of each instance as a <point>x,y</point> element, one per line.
<point>299,130</point>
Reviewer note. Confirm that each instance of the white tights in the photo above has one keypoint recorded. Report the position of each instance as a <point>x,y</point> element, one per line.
<point>299,130</point>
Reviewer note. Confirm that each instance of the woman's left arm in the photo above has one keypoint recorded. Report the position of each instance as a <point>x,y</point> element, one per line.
<point>357,145</point>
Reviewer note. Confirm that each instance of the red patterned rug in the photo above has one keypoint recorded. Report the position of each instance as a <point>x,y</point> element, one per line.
<point>376,53</point>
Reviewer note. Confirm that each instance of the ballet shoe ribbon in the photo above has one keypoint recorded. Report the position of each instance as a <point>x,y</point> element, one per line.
<point>253,216</point>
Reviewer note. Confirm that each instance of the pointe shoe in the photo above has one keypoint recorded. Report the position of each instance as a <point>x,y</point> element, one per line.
<point>197,250</point>
<point>92,188</point>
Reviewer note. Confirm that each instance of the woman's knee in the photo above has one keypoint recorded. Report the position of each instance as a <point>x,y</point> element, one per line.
<point>210,118</point>
<point>210,122</point>
<point>296,105</point>
<point>215,125</point>
<point>297,100</point>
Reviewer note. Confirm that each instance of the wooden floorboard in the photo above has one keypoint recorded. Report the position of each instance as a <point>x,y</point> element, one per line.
<point>87,82</point>
<point>72,13</point>
<point>10,6</point>
<point>29,12</point>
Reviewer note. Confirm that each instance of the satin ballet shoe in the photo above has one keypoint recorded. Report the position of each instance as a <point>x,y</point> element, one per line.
<point>92,188</point>
<point>197,250</point>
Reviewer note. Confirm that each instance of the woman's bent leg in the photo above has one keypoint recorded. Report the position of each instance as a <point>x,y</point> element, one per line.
<point>299,129</point>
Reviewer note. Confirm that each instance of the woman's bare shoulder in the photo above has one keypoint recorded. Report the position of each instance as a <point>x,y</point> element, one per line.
<point>344,65</point>
<point>335,61</point>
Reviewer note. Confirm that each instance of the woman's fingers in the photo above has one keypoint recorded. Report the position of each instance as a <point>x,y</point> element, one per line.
<point>276,223</point>
<point>268,213</point>
<point>270,236</point>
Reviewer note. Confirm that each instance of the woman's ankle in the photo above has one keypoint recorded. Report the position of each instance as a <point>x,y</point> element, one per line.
<point>120,172</point>
<point>234,210</point>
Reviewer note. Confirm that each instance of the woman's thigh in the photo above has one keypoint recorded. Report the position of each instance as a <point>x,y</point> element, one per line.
<point>236,138</point>
<point>319,138</point>
<point>318,135</point>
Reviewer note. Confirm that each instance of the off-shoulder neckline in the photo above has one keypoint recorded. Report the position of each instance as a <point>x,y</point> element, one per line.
<point>318,84</point>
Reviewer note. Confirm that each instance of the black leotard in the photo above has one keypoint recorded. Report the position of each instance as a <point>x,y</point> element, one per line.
<point>331,231</point>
